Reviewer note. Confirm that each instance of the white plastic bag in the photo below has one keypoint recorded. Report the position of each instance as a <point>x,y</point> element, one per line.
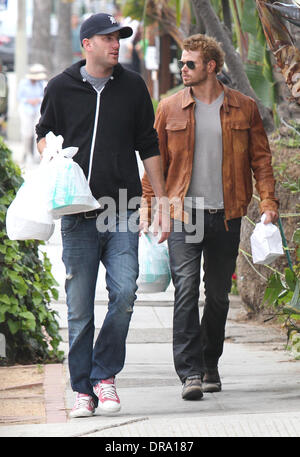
<point>69,191</point>
<point>27,217</point>
<point>154,265</point>
<point>266,242</point>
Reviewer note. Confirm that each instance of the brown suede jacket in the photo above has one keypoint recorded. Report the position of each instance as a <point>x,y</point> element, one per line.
<point>245,150</point>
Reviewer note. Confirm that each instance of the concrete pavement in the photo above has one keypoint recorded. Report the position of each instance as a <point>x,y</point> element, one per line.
<point>261,381</point>
<point>260,395</point>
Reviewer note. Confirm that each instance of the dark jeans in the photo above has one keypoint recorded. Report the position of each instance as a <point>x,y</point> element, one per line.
<point>83,249</point>
<point>199,346</point>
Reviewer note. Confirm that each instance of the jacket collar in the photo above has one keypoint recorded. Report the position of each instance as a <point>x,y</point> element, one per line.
<point>74,69</point>
<point>187,97</point>
<point>230,98</point>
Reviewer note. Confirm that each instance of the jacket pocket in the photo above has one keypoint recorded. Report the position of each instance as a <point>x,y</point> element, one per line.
<point>241,124</point>
<point>177,135</point>
<point>240,136</point>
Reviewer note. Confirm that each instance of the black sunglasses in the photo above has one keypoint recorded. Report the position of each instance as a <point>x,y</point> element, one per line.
<point>189,63</point>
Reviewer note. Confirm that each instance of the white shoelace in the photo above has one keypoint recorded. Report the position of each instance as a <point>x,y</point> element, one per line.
<point>82,402</point>
<point>108,391</point>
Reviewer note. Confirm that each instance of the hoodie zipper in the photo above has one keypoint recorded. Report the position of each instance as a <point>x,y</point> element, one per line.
<point>94,132</point>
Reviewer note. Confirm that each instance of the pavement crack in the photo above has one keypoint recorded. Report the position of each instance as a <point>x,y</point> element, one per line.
<point>107,427</point>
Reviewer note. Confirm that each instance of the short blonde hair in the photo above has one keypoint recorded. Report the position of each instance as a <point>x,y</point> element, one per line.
<point>210,49</point>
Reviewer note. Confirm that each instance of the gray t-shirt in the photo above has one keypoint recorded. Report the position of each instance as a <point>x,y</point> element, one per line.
<point>206,180</point>
<point>97,83</point>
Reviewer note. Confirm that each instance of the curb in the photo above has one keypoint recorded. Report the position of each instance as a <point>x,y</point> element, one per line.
<point>54,394</point>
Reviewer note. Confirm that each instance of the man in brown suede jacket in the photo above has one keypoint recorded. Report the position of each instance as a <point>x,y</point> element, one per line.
<point>211,140</point>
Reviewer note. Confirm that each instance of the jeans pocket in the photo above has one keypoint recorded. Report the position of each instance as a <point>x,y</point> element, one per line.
<point>69,223</point>
<point>234,225</point>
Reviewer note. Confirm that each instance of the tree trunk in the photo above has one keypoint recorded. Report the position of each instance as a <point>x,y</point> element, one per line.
<point>41,51</point>
<point>227,16</point>
<point>63,45</point>
<point>199,26</point>
<point>233,60</point>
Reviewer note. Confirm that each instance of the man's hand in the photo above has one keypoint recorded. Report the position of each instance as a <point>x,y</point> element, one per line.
<point>144,227</point>
<point>271,216</point>
<point>153,168</point>
<point>162,221</point>
<point>161,224</point>
<point>41,146</point>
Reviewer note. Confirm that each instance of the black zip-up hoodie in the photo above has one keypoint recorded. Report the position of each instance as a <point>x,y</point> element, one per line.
<point>124,124</point>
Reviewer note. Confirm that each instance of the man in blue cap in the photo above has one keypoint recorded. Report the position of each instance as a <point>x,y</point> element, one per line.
<point>107,112</point>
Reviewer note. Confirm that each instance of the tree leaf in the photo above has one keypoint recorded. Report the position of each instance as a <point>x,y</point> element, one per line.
<point>13,326</point>
<point>296,236</point>
<point>27,315</point>
<point>290,278</point>
<point>55,293</point>
<point>295,302</point>
<point>2,249</point>
<point>249,17</point>
<point>37,298</point>
<point>5,299</point>
<point>274,289</point>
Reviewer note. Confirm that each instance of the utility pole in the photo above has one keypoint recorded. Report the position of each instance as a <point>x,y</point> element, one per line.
<point>13,126</point>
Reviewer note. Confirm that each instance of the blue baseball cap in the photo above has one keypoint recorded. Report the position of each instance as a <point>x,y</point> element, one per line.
<point>102,24</point>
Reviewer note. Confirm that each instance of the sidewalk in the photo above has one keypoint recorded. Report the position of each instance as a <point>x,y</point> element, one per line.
<point>260,395</point>
<point>260,380</point>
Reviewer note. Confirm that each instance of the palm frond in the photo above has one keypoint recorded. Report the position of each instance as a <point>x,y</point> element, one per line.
<point>281,45</point>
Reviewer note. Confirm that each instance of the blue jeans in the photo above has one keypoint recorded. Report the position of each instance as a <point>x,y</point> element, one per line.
<point>84,247</point>
<point>197,346</point>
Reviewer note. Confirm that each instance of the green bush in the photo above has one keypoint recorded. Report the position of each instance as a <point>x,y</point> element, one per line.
<point>26,285</point>
<point>283,287</point>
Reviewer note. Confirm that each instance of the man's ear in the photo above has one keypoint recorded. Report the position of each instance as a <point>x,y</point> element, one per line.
<point>86,44</point>
<point>211,66</point>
